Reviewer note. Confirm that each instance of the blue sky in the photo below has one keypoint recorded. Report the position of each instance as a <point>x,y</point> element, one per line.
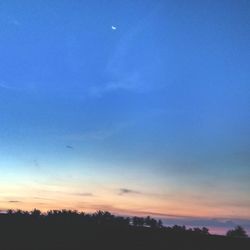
<point>158,106</point>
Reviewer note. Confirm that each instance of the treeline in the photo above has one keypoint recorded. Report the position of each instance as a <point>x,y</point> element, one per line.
<point>106,218</point>
<point>70,229</point>
<point>103,218</point>
<point>100,218</point>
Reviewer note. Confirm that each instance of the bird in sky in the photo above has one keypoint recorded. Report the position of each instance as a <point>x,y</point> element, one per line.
<point>113,27</point>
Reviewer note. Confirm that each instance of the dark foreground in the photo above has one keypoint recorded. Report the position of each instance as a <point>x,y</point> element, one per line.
<point>73,231</point>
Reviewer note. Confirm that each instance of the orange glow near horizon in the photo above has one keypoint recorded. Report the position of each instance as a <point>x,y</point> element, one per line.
<point>107,199</point>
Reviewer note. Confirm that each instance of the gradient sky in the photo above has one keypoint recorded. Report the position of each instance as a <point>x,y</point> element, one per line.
<point>152,117</point>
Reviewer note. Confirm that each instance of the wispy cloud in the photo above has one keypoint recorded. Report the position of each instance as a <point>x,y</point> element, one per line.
<point>84,194</point>
<point>98,134</point>
<point>36,163</point>
<point>24,87</point>
<point>90,135</point>
<point>7,86</point>
<point>14,201</point>
<point>4,85</point>
<point>118,68</point>
<point>13,21</point>
<point>124,191</point>
<point>132,82</point>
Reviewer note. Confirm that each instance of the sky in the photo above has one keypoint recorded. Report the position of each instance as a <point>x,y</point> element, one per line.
<point>136,107</point>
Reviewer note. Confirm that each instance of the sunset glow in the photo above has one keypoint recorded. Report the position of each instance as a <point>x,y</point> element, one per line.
<point>138,108</point>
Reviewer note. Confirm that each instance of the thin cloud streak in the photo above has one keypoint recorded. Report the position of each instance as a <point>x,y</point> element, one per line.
<point>6,86</point>
<point>132,83</point>
<point>3,85</point>
<point>83,194</point>
<point>124,191</point>
<point>125,79</point>
<point>100,134</point>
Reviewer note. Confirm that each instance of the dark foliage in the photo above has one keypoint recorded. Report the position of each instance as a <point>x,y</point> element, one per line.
<point>238,232</point>
<point>71,230</point>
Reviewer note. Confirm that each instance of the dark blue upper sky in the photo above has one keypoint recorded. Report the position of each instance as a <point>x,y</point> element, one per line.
<point>164,96</point>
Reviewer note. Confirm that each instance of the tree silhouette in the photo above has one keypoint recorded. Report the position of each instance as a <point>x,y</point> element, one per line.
<point>70,229</point>
<point>203,231</point>
<point>137,221</point>
<point>238,232</point>
<point>159,224</point>
<point>36,213</point>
